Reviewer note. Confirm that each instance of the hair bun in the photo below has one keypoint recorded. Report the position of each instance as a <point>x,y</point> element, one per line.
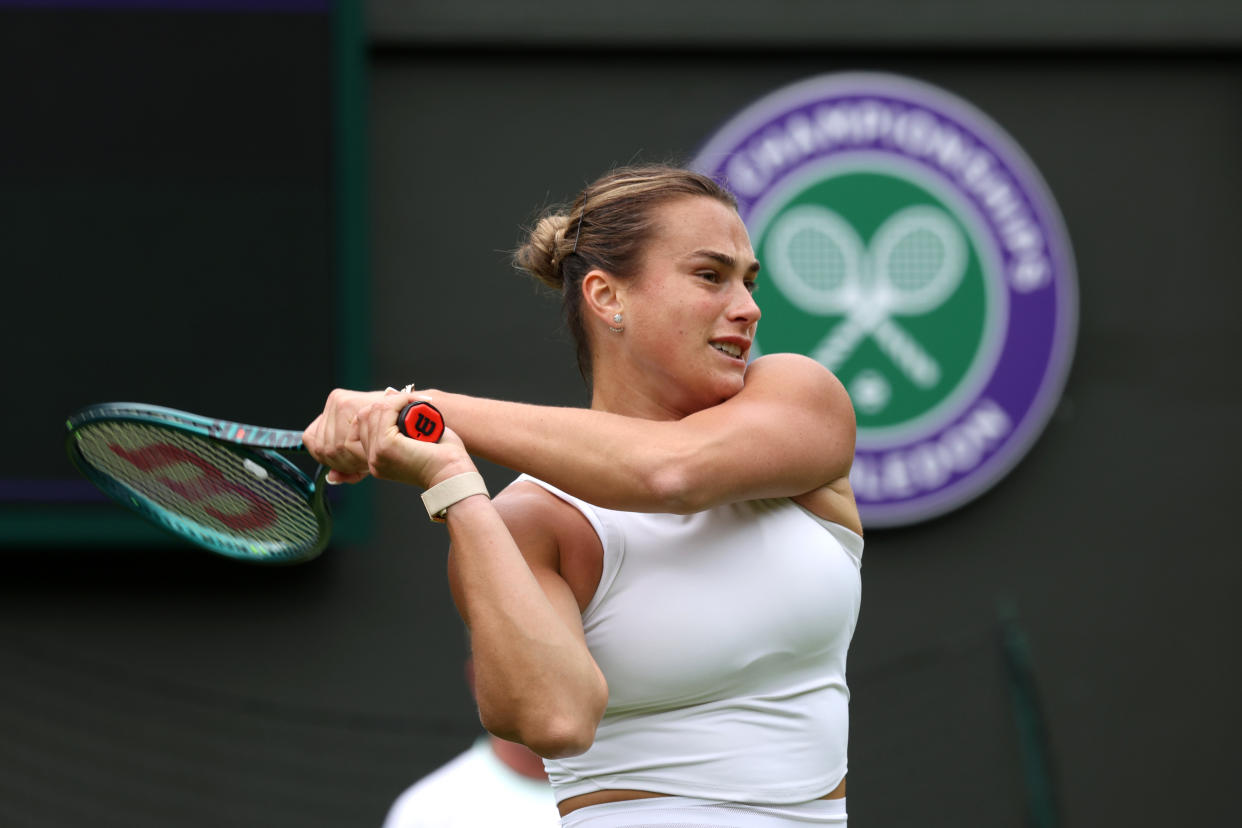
<point>545,249</point>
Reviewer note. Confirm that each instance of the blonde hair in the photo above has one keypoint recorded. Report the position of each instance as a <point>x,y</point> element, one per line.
<point>606,227</point>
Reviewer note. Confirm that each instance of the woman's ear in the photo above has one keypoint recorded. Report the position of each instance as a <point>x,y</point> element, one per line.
<point>602,296</point>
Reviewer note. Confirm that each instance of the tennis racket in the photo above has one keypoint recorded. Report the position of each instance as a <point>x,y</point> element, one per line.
<point>219,484</point>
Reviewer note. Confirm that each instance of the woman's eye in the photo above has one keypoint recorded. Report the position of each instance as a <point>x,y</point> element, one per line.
<point>710,275</point>
<point>751,286</point>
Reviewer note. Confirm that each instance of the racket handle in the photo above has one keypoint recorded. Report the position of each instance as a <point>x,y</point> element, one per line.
<point>421,421</point>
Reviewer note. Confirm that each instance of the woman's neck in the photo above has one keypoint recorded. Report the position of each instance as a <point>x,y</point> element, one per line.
<point>617,390</point>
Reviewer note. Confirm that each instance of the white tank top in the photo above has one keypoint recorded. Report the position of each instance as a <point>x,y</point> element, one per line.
<point>723,637</point>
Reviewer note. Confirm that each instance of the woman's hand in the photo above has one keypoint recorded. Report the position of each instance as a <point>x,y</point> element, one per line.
<point>391,455</point>
<point>332,438</point>
<point>356,436</point>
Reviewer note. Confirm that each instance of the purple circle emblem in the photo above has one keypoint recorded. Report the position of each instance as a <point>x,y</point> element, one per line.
<point>910,245</point>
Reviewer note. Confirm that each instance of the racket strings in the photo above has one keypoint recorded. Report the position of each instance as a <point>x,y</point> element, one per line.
<point>201,481</point>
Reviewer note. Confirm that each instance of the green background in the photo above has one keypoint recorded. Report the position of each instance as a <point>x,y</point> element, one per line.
<point>951,334</point>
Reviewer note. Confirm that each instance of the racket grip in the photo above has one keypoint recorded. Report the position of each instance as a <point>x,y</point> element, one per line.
<point>421,421</point>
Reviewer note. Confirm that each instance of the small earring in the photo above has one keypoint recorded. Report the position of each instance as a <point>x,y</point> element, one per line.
<point>616,318</point>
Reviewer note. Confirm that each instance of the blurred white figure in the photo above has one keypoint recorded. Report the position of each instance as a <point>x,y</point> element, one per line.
<point>494,783</point>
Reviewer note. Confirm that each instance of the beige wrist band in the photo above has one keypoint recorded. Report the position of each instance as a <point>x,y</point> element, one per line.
<point>444,494</point>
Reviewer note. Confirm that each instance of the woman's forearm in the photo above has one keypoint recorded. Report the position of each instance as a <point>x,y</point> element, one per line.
<point>606,459</point>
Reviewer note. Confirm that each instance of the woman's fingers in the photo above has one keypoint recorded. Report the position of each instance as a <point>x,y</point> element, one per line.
<point>336,478</point>
<point>377,421</point>
<point>335,438</point>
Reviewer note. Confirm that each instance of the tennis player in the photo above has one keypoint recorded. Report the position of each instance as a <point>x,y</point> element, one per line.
<point>662,602</point>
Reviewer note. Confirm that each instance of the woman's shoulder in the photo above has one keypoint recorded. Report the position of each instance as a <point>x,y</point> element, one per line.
<point>528,504</point>
<point>792,365</point>
<point>795,374</point>
<point>550,529</point>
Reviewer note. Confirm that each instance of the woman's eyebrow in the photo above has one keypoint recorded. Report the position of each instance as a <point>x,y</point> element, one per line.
<point>724,259</point>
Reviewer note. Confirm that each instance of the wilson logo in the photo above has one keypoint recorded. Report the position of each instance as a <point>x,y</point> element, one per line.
<point>201,489</point>
<point>424,425</point>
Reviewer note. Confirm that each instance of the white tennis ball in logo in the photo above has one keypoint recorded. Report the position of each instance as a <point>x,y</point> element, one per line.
<point>870,391</point>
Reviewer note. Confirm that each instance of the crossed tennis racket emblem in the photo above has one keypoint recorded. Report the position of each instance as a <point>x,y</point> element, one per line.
<point>914,263</point>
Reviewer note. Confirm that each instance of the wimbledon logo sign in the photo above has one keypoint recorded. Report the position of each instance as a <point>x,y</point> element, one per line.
<point>910,246</point>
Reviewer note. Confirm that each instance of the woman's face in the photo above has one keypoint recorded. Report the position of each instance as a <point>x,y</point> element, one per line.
<point>690,318</point>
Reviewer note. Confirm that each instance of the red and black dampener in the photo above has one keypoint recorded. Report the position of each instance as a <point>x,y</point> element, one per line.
<point>421,420</point>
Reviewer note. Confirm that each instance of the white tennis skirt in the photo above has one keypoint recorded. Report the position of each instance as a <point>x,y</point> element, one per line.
<point>685,812</point>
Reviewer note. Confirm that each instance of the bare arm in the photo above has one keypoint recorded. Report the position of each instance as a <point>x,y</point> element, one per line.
<point>789,431</point>
<point>535,681</point>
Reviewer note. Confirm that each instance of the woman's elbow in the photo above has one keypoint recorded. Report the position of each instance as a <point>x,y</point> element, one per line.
<point>553,733</point>
<point>559,740</point>
<point>550,737</point>
<point>672,490</point>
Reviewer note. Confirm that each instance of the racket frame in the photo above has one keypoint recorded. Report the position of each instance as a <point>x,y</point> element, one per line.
<point>254,443</point>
